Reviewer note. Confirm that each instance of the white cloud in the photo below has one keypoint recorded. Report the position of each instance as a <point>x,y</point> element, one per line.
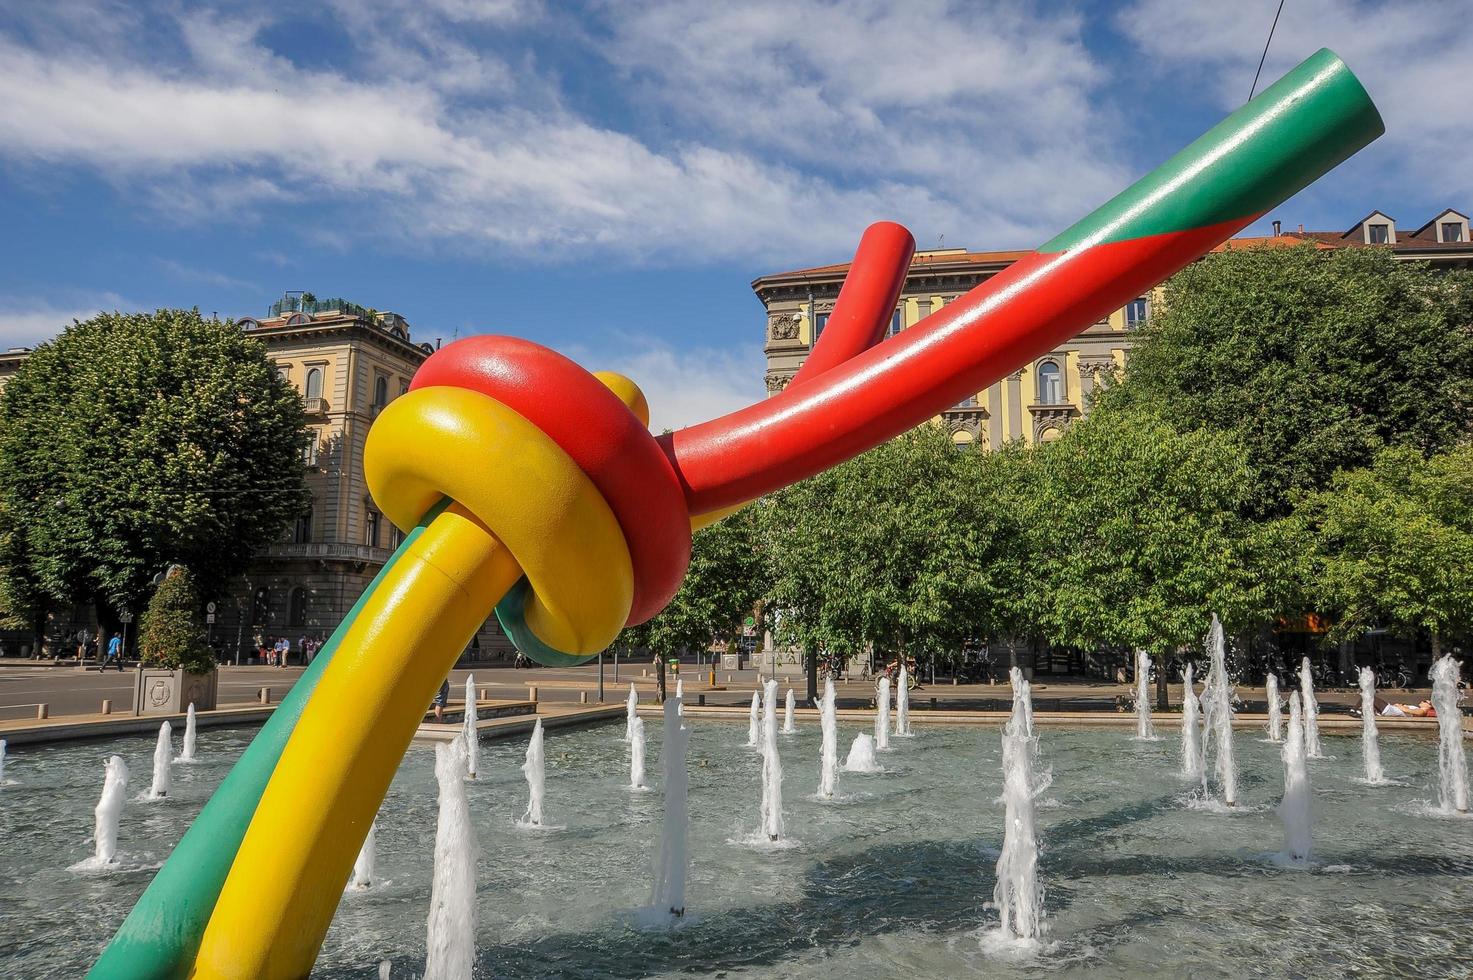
<point>1409,55</point>
<point>685,387</point>
<point>27,322</point>
<point>798,124</point>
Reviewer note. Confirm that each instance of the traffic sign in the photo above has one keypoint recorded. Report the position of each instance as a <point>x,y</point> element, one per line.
<point>209,607</point>
<point>126,617</point>
<point>210,618</point>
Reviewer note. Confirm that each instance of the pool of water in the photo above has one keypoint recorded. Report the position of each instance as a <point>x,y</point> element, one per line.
<point>893,880</point>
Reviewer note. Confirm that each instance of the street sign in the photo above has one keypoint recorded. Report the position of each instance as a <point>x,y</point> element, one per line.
<point>209,608</point>
<point>210,618</point>
<point>126,617</point>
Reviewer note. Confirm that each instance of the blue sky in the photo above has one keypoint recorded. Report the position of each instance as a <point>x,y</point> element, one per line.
<point>608,177</point>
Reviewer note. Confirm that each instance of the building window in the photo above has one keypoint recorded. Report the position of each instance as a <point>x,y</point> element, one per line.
<point>284,372</point>
<point>1136,312</point>
<point>1050,384</point>
<point>396,536</point>
<point>1378,234</point>
<point>314,383</point>
<point>261,607</point>
<point>297,607</point>
<point>302,532</point>
<point>897,322</point>
<point>380,394</point>
<point>371,537</point>
<point>1452,231</point>
<point>309,455</point>
<point>821,322</point>
<point>969,402</point>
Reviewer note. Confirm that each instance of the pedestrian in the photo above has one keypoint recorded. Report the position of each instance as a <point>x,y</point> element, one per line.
<point>114,653</point>
<point>660,675</point>
<point>302,649</point>
<point>283,651</point>
<point>442,698</point>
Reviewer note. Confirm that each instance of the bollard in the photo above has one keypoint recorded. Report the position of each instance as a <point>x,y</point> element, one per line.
<point>264,695</point>
<point>483,696</point>
<point>933,704</point>
<point>532,694</point>
<point>728,678</point>
<point>43,711</point>
<point>644,673</point>
<point>582,697</point>
<point>701,700</point>
<point>107,706</point>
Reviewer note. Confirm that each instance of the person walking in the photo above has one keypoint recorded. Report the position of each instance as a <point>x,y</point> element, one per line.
<point>114,653</point>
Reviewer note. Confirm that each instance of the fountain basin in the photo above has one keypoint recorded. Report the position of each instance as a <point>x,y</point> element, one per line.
<point>891,880</point>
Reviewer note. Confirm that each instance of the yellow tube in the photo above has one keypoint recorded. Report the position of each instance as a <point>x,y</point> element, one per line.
<point>291,868</point>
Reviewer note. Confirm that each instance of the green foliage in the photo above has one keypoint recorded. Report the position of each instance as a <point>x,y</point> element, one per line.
<point>902,547</point>
<point>1136,535</point>
<point>726,580</point>
<point>170,635</point>
<point>1313,360</point>
<point>136,440</point>
<point>1392,545</point>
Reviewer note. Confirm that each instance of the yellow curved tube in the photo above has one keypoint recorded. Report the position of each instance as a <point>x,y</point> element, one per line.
<point>296,857</point>
<point>451,442</point>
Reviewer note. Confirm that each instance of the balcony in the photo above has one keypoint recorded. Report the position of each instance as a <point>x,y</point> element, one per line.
<point>327,551</point>
<point>315,406</point>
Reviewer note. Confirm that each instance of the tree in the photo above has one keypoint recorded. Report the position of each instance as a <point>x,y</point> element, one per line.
<point>900,548</point>
<point>1138,535</point>
<point>132,441</point>
<point>170,636</point>
<point>1313,360</point>
<point>1392,545</point>
<point>726,581</point>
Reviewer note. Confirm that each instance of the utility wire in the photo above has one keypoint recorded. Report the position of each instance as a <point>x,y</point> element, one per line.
<point>1264,57</point>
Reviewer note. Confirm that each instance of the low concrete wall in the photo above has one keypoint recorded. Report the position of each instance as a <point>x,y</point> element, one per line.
<point>108,726</point>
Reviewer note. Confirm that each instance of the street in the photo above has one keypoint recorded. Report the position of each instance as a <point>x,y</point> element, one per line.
<point>68,690</point>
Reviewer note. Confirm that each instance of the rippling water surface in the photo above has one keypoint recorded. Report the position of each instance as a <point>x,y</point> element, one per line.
<point>891,881</point>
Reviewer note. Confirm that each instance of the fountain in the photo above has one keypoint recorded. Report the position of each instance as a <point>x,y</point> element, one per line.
<point>1275,716</point>
<point>754,722</point>
<point>469,731</point>
<point>1022,689</point>
<point>109,811</point>
<point>1017,895</point>
<point>631,707</point>
<point>680,690</point>
<point>362,879</point>
<point>636,756</point>
<point>828,780</point>
<point>163,752</point>
<point>1294,808</point>
<point>882,716</point>
<point>2,762</point>
<point>535,769</point>
<point>1453,770</point>
<point>772,767</point>
<point>672,861</point>
<point>902,705</point>
<point>1144,730</point>
<point>788,727</point>
<point>1191,737</point>
<point>451,929</point>
<point>1370,750</point>
<point>862,754</point>
<point>1311,712</point>
<point>186,752</point>
<point>1217,711</point>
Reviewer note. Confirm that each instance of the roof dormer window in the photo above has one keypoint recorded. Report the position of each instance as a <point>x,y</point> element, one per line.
<point>1374,229</point>
<point>1450,231</point>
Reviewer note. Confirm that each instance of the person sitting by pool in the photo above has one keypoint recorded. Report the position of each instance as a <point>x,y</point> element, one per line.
<point>1424,709</point>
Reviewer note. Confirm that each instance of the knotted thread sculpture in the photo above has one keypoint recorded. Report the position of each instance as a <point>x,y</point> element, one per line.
<point>530,486</point>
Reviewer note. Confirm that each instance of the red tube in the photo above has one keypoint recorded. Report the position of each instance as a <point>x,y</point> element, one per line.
<point>866,300</point>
